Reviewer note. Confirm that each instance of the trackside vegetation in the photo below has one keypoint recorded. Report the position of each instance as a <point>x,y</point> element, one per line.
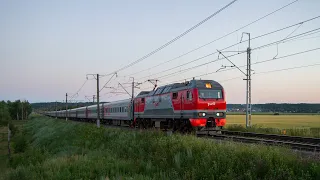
<point>55,149</point>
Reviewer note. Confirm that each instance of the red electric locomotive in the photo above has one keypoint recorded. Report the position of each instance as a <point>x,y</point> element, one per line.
<point>182,106</point>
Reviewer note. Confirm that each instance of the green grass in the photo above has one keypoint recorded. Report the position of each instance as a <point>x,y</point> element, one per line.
<point>55,149</point>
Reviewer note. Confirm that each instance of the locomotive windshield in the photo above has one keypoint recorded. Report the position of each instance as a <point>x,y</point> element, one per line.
<point>210,94</point>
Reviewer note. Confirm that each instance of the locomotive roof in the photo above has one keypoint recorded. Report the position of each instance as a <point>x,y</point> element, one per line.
<point>181,86</point>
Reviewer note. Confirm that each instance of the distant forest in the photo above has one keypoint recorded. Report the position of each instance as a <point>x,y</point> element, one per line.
<point>273,107</point>
<point>269,107</point>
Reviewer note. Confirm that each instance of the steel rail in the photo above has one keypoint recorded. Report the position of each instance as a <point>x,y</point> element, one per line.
<point>271,136</point>
<point>295,142</point>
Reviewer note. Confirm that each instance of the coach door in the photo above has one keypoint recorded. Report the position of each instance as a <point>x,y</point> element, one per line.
<point>181,103</point>
<point>102,111</point>
<point>86,112</point>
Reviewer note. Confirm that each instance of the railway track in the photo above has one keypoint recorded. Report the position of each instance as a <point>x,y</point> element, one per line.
<point>294,142</point>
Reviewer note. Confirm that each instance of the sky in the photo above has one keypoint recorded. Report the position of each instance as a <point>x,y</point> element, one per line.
<point>48,47</point>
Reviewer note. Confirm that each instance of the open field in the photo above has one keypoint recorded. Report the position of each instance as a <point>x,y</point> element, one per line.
<point>69,150</point>
<point>277,121</point>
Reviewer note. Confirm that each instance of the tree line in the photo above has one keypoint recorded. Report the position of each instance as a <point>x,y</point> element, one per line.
<point>283,107</point>
<point>17,110</point>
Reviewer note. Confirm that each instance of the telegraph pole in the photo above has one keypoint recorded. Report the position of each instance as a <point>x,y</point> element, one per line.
<point>132,95</point>
<point>66,106</point>
<point>56,109</point>
<point>21,110</point>
<point>98,107</point>
<point>98,91</point>
<point>248,79</point>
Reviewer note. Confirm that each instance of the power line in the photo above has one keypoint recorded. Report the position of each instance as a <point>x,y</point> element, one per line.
<point>79,89</point>
<point>287,39</point>
<point>266,72</point>
<point>210,54</point>
<point>286,69</point>
<point>193,50</point>
<point>272,71</point>
<point>260,47</point>
<point>107,82</point>
<point>259,62</point>
<point>176,38</point>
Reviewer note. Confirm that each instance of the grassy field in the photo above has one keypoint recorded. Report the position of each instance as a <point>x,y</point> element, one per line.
<point>55,149</point>
<point>278,121</point>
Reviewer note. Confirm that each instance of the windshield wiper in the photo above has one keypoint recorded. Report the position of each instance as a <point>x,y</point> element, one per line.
<point>203,98</point>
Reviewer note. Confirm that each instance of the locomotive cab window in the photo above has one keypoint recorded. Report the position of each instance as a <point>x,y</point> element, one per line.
<point>174,95</point>
<point>142,100</point>
<point>210,94</point>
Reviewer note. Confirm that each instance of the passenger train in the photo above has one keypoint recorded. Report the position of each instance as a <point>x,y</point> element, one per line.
<point>194,104</point>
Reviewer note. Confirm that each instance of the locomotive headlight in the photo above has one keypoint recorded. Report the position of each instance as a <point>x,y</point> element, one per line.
<point>219,114</point>
<point>202,114</point>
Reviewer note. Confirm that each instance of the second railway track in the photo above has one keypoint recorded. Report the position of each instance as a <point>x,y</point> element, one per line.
<point>294,142</point>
